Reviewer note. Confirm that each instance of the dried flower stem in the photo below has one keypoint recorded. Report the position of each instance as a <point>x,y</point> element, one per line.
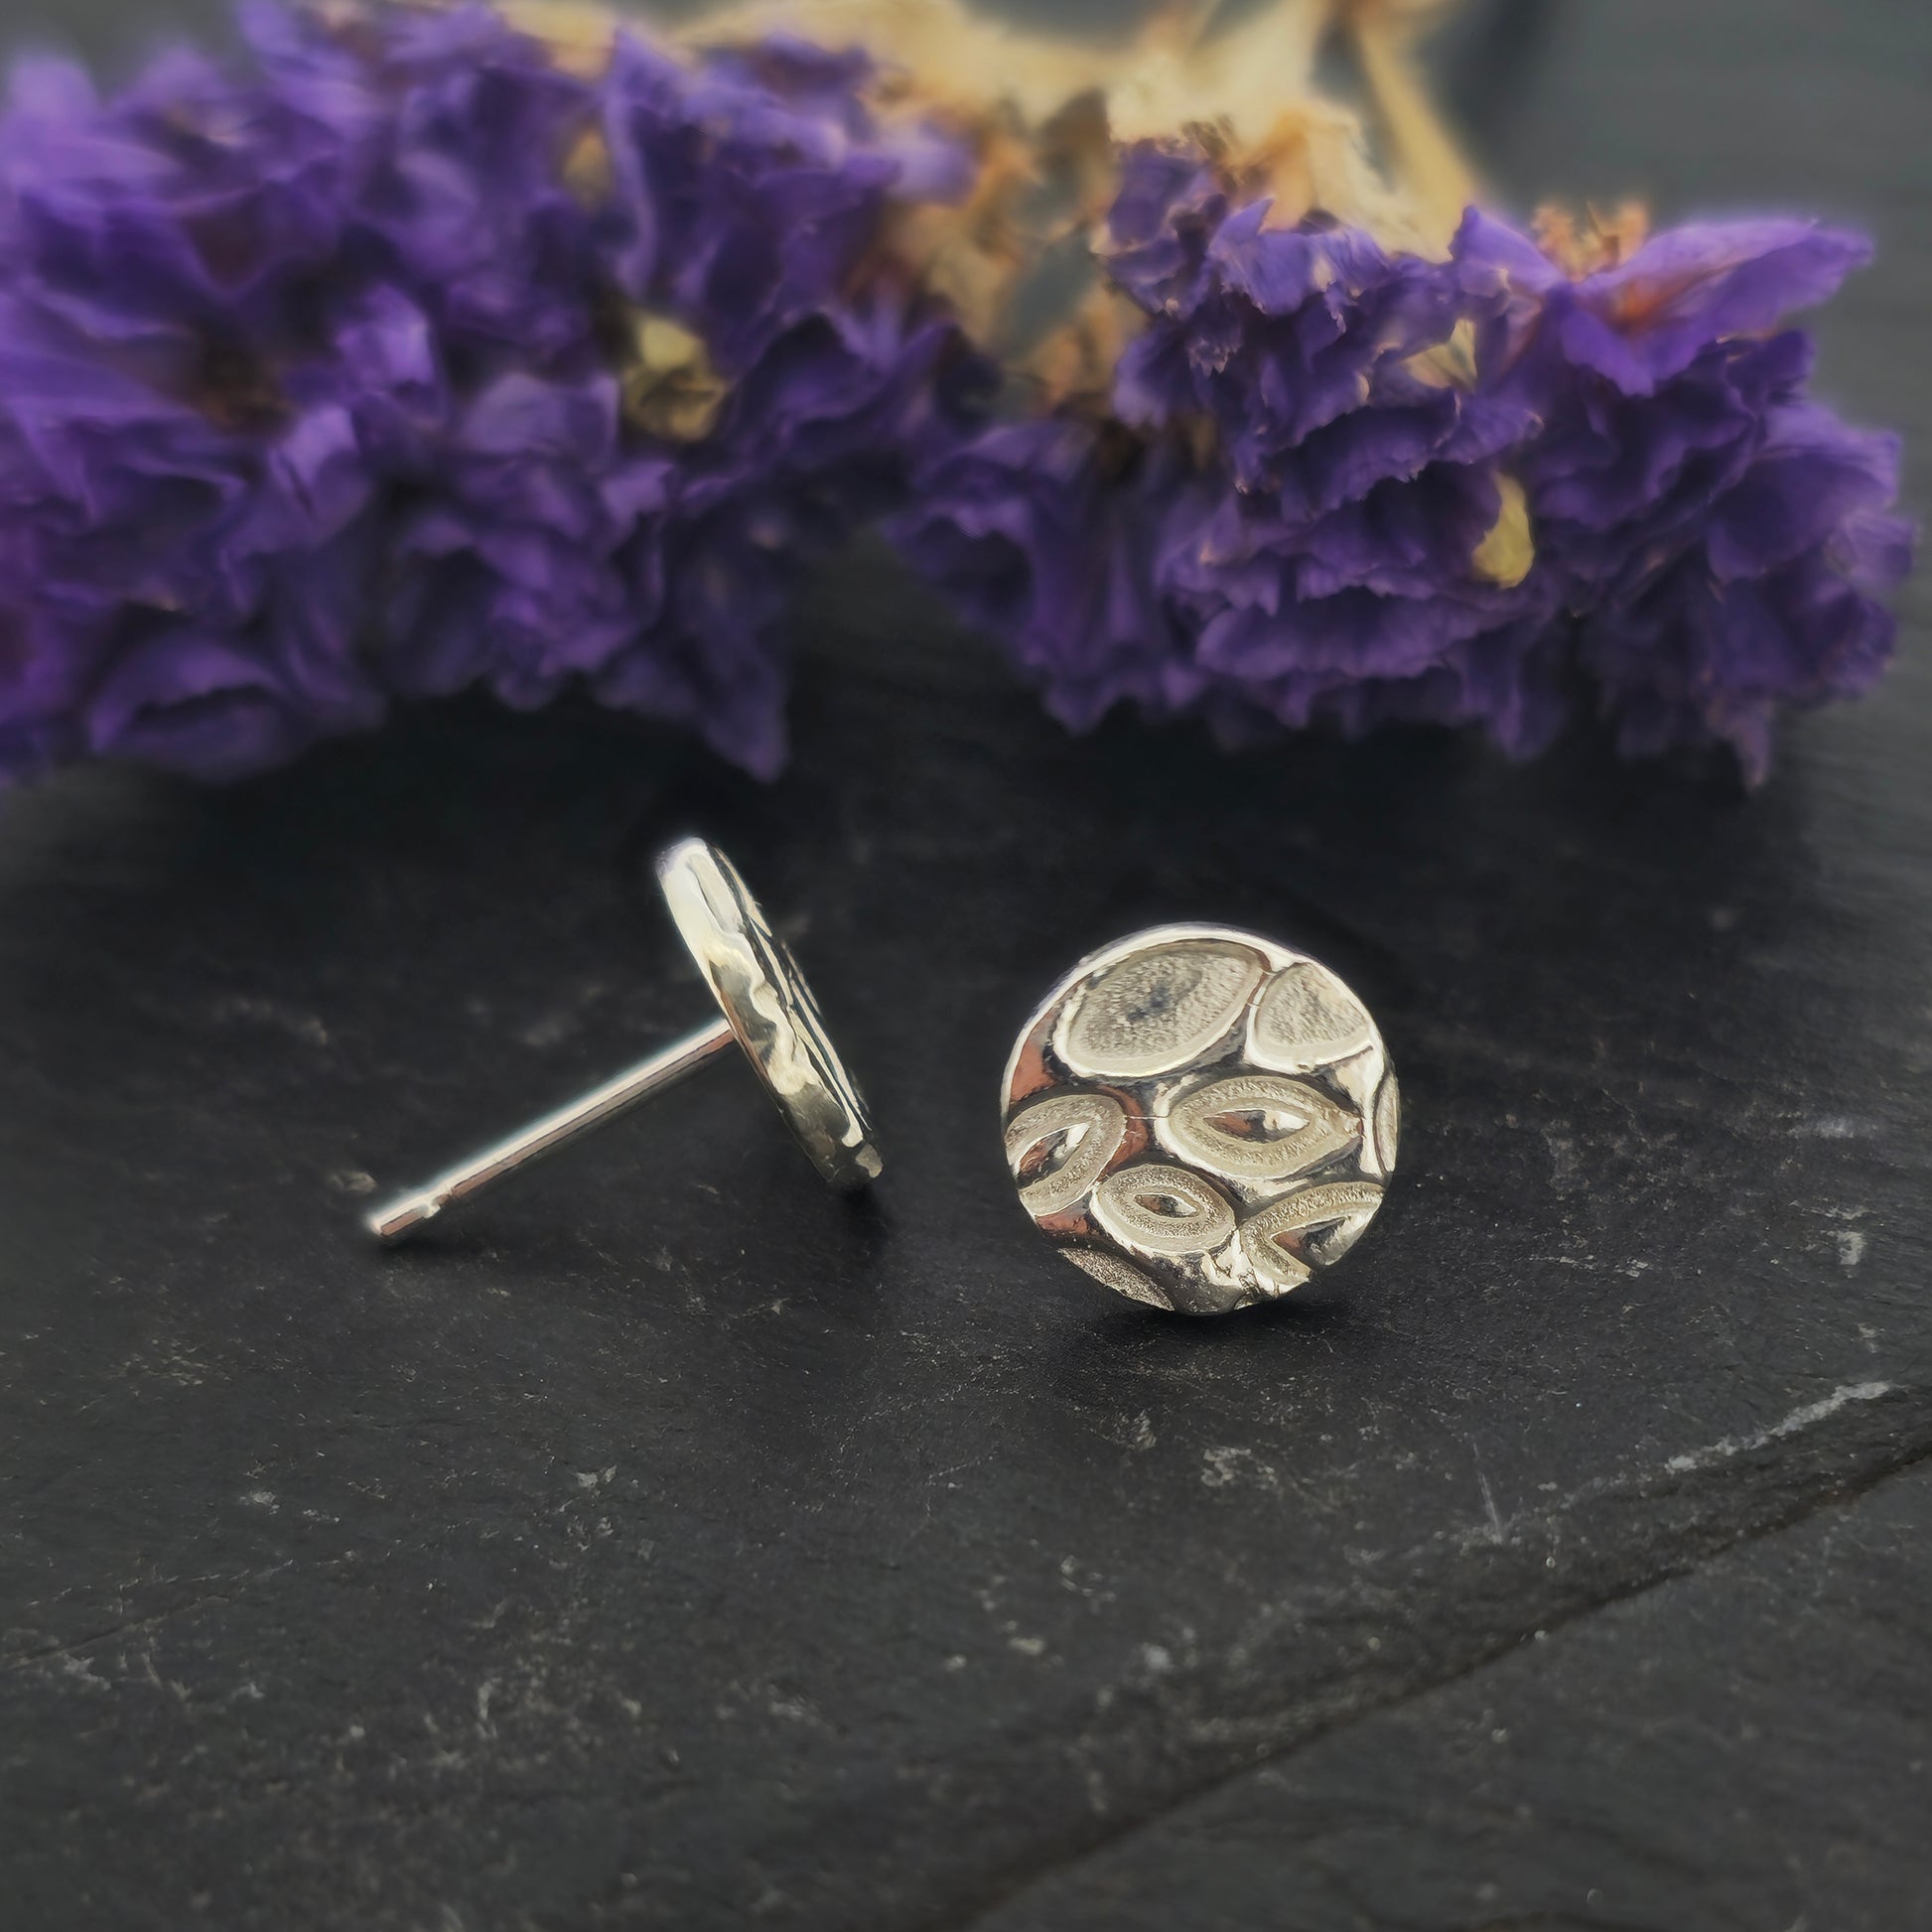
<point>1427,162</point>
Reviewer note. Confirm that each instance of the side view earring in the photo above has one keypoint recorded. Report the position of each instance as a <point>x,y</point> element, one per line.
<point>1200,1118</point>
<point>764,1005</point>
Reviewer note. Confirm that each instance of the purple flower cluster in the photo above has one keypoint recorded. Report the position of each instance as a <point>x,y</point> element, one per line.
<point>403,355</point>
<point>325,379</point>
<point>1718,543</point>
<point>1301,501</point>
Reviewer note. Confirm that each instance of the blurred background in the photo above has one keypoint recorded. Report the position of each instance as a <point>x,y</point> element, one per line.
<point>1555,99</point>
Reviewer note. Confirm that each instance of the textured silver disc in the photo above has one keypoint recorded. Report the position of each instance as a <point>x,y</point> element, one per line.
<point>1200,1118</point>
<point>767,1005</point>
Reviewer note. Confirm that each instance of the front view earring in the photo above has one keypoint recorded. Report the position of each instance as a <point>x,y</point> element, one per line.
<point>764,1006</point>
<point>1200,1118</point>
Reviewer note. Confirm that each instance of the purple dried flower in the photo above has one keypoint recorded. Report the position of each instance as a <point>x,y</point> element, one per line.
<point>1722,541</point>
<point>400,356</point>
<point>1322,506</point>
<point>563,544</point>
<point>1289,527</point>
<point>448,133</point>
<point>1098,561</point>
<point>750,190</point>
<point>561,541</point>
<point>1048,537</point>
<point>203,401</point>
<point>328,378</point>
<point>1277,334</point>
<point>182,218</point>
<point>179,591</point>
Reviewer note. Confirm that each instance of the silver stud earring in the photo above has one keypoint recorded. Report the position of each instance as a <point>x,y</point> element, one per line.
<point>1201,1119</point>
<point>764,1005</point>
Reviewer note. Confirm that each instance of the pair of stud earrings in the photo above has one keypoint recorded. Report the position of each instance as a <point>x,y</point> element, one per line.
<point>1195,1117</point>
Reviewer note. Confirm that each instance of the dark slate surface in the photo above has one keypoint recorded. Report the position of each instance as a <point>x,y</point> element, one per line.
<point>668,1545</point>
<point>1685,1759</point>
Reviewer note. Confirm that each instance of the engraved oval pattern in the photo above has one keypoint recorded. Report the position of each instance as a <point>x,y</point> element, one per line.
<point>1089,1129</point>
<point>1278,1271</point>
<point>1156,1011</point>
<point>1309,1128</point>
<point>1161,1210</point>
<point>1310,1229</point>
<point>1307,1020</point>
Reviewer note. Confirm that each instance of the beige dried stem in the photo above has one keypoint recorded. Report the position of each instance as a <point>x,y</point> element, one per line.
<point>1426,160</point>
<point>1158,80</point>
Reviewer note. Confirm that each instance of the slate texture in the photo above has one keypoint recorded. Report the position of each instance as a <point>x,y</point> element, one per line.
<point>668,1545</point>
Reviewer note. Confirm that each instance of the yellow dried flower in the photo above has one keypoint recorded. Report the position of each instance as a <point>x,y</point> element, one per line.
<point>1508,553</point>
<point>670,388</point>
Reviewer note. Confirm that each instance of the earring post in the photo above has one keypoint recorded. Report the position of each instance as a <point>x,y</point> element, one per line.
<point>396,1220</point>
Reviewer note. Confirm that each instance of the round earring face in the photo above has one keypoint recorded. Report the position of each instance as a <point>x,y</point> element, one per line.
<point>1200,1118</point>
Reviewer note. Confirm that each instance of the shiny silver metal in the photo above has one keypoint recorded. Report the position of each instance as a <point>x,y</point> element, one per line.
<point>1201,1119</point>
<point>764,1006</point>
